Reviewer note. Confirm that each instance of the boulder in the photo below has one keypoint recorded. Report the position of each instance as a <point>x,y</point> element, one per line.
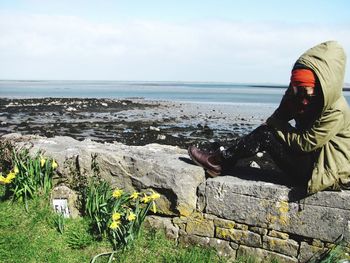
<point>161,168</point>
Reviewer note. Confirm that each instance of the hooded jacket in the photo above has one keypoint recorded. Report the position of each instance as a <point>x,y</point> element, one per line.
<point>328,135</point>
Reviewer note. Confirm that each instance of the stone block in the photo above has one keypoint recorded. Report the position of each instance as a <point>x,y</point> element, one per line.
<point>222,247</point>
<point>152,166</point>
<point>171,231</point>
<point>281,235</point>
<point>307,251</point>
<point>284,246</point>
<point>261,231</point>
<point>267,205</point>
<point>64,192</point>
<point>262,255</point>
<point>198,225</point>
<point>219,222</point>
<point>239,236</point>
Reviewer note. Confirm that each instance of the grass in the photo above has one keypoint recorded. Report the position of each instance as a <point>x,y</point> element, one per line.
<point>37,234</point>
<point>33,237</point>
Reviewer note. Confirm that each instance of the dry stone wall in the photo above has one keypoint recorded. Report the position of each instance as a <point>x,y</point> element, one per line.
<point>234,215</point>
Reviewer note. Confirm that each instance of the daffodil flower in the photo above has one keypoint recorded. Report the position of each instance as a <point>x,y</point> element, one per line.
<point>8,179</point>
<point>54,164</point>
<point>42,162</point>
<point>117,193</point>
<point>154,195</point>
<point>134,195</point>
<point>11,176</point>
<point>131,216</point>
<point>116,216</point>
<point>114,225</point>
<point>146,199</point>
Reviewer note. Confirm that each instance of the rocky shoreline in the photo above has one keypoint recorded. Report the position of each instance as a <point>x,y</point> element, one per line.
<point>132,121</point>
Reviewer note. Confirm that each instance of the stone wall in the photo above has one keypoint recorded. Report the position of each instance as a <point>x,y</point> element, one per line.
<point>235,214</point>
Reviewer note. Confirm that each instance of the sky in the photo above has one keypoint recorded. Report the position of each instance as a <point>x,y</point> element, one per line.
<point>135,40</point>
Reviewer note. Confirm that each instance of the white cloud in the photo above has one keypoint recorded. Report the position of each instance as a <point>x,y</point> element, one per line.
<point>68,47</point>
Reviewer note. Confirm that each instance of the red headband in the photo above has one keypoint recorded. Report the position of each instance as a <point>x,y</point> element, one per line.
<point>302,77</point>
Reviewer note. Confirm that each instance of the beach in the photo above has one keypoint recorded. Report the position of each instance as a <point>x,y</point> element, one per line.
<point>134,121</point>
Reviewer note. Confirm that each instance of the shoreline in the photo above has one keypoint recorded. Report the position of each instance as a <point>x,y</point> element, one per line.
<point>132,121</point>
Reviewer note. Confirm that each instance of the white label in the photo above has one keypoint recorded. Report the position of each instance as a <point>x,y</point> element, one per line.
<point>61,206</point>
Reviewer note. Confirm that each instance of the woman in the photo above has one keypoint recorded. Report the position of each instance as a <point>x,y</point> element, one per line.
<point>316,151</point>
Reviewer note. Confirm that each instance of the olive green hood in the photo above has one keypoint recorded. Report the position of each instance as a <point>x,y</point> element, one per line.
<point>327,60</point>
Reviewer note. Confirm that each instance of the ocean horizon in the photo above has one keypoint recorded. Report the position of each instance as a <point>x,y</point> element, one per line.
<point>192,92</point>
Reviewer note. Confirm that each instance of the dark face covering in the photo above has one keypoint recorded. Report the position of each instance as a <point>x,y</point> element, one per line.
<point>308,95</point>
<point>308,105</point>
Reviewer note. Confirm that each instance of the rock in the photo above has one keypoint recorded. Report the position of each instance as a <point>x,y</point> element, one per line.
<point>277,207</point>
<point>154,166</point>
<point>151,128</point>
<point>171,231</point>
<point>262,255</point>
<point>260,154</point>
<point>254,165</point>
<point>63,192</point>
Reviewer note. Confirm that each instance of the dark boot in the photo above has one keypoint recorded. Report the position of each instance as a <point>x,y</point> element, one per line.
<point>211,162</point>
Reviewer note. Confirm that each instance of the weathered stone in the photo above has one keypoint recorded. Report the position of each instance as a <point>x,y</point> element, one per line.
<point>317,243</point>
<point>241,226</point>
<point>259,230</point>
<point>222,247</point>
<point>267,205</point>
<point>262,255</point>
<point>171,231</point>
<point>284,246</point>
<point>198,225</point>
<point>152,166</point>
<point>180,222</point>
<point>201,197</point>
<point>224,223</point>
<point>307,251</point>
<point>63,192</point>
<point>281,235</point>
<point>239,236</point>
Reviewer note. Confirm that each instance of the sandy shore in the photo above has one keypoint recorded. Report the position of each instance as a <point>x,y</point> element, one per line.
<point>131,121</point>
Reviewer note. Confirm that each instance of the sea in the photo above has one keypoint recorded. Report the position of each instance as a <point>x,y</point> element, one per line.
<point>195,92</point>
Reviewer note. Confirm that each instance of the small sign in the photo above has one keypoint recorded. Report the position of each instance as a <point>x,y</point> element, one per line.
<point>61,206</point>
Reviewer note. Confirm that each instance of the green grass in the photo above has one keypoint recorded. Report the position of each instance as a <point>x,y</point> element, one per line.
<point>33,237</point>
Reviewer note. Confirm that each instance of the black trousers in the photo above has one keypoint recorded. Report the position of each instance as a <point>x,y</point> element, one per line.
<point>297,165</point>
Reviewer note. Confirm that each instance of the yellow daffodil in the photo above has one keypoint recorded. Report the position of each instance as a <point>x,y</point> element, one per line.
<point>114,225</point>
<point>116,216</point>
<point>154,195</point>
<point>16,170</point>
<point>54,164</point>
<point>131,216</point>
<point>11,176</point>
<point>154,208</point>
<point>146,199</point>
<point>117,193</point>
<point>134,195</point>
<point>42,162</point>
<point>8,180</point>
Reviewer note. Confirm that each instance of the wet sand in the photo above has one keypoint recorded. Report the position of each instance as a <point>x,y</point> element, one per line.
<point>133,121</point>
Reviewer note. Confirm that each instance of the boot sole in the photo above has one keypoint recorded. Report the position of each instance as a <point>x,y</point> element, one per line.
<point>211,173</point>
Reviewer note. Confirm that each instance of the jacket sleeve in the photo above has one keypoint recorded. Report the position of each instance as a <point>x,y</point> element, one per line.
<point>311,139</point>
